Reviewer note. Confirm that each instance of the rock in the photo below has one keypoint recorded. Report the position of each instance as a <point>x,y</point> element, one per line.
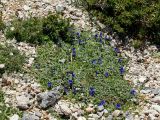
<point>81,118</point>
<point>116,113</point>
<point>3,1</point>
<point>105,111</point>
<point>156,91</point>
<point>47,99</point>
<point>75,18</point>
<point>47,1</point>
<point>38,114</point>
<point>89,109</point>
<point>145,91</point>
<point>26,8</point>
<point>65,110</point>
<point>95,116</point>
<point>23,101</point>
<point>110,117</point>
<point>78,14</point>
<point>29,116</point>
<point>59,8</point>
<point>100,108</point>
<point>102,26</point>
<point>62,61</point>
<point>156,99</point>
<point>14,117</point>
<point>129,117</point>
<point>2,66</point>
<point>142,79</point>
<point>156,107</point>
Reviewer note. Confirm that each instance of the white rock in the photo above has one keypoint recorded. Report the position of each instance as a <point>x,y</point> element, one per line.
<point>65,109</point>
<point>81,118</point>
<point>14,117</point>
<point>59,8</point>
<point>2,66</point>
<point>95,116</point>
<point>25,7</point>
<point>47,1</point>
<point>156,99</point>
<point>116,113</point>
<point>142,79</point>
<point>156,107</point>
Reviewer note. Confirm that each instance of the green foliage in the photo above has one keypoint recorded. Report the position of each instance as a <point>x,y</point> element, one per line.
<point>40,30</point>
<point>2,26</point>
<point>5,111</point>
<point>137,18</point>
<point>53,63</point>
<point>12,58</point>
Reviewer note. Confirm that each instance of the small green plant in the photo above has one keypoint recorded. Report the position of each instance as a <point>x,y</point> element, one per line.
<point>137,43</point>
<point>137,19</point>
<point>11,58</point>
<point>40,30</point>
<point>89,70</point>
<point>6,112</point>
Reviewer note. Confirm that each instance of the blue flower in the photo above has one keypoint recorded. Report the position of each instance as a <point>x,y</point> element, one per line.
<point>91,91</point>
<point>100,35</point>
<point>106,74</point>
<point>97,73</point>
<point>118,106</point>
<point>106,37</point>
<point>116,50</point>
<point>70,82</point>
<point>78,34</point>
<point>74,52</point>
<point>121,70</point>
<point>96,35</point>
<point>101,40</point>
<point>80,42</point>
<point>94,62</point>
<point>49,84</point>
<point>119,60</point>
<point>100,60</point>
<point>103,102</point>
<point>133,92</point>
<point>73,75</point>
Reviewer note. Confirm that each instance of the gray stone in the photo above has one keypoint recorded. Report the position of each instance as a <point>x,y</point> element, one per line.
<point>156,107</point>
<point>29,116</point>
<point>95,116</point>
<point>110,117</point>
<point>156,91</point>
<point>47,99</point>
<point>116,113</point>
<point>75,18</point>
<point>129,116</point>
<point>81,118</point>
<point>59,8</point>
<point>23,101</point>
<point>100,108</point>
<point>47,1</point>
<point>14,117</point>
<point>156,99</point>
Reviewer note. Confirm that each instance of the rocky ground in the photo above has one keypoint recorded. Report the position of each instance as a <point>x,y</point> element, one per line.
<point>24,92</point>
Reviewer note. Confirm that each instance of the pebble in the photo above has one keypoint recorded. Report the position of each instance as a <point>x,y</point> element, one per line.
<point>25,7</point>
<point>100,108</point>
<point>156,107</point>
<point>14,117</point>
<point>116,113</point>
<point>156,99</point>
<point>59,8</point>
<point>89,109</point>
<point>81,118</point>
<point>2,66</point>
